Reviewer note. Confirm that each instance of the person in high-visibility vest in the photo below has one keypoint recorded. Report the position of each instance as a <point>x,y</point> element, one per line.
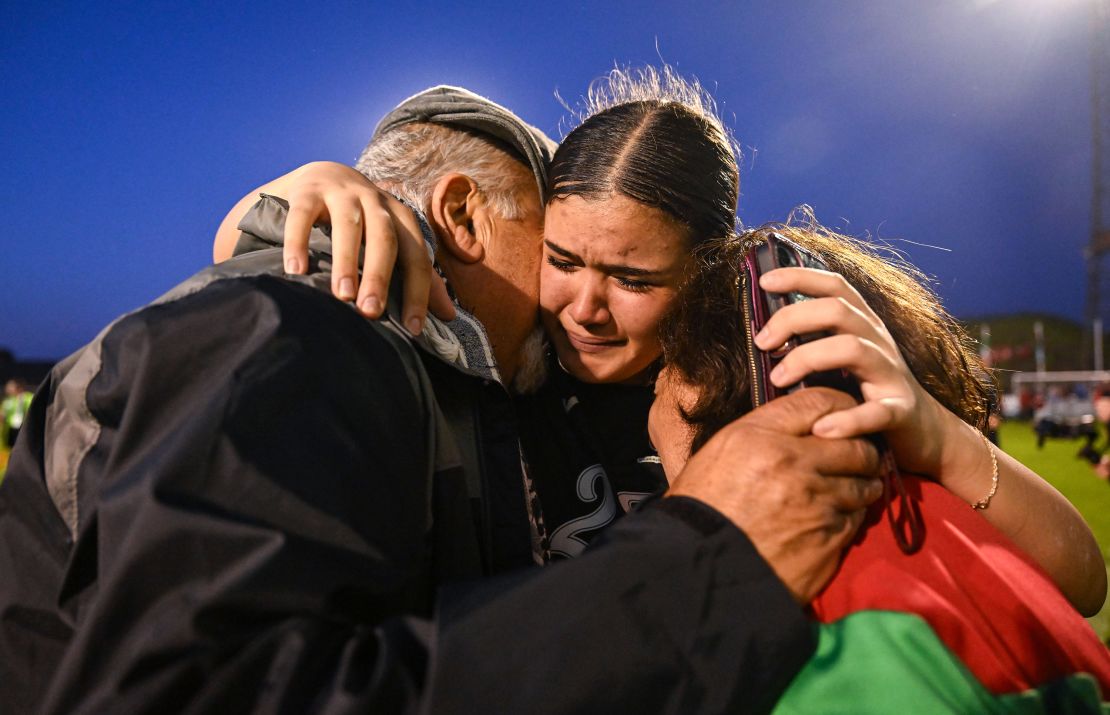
<point>17,400</point>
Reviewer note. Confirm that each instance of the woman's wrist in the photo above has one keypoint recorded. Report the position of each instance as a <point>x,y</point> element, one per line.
<point>985,502</point>
<point>967,465</point>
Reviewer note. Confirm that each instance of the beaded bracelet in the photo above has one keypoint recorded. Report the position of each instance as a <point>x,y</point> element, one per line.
<point>986,501</point>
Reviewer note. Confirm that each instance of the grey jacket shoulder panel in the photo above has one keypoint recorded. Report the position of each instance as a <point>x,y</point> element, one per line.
<point>73,432</point>
<point>264,227</point>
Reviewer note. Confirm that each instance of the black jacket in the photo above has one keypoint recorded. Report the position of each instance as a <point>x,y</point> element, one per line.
<point>247,498</point>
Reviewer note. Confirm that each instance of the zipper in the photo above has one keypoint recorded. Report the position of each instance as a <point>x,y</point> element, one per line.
<point>746,310</point>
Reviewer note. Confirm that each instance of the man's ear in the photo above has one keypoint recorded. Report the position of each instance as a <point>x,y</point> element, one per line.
<point>455,199</point>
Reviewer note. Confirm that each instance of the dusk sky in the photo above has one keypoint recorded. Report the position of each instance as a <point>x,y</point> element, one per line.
<point>957,130</point>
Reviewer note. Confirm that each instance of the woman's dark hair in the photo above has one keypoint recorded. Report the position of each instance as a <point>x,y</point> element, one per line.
<point>654,137</point>
<point>703,336</point>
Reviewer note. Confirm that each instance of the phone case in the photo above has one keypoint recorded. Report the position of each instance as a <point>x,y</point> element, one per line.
<point>756,307</point>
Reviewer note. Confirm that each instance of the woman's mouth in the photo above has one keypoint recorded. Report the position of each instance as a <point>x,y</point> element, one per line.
<point>591,344</point>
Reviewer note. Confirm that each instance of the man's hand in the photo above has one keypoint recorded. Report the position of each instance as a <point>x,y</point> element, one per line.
<point>799,498</point>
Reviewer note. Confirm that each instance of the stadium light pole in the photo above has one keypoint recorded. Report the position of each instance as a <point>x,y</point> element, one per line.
<point>1100,128</point>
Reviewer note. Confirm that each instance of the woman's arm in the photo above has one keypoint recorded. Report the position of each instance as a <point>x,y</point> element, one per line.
<point>361,216</point>
<point>228,233</point>
<point>1027,509</point>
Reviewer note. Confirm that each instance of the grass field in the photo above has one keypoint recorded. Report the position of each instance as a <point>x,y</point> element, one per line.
<point>1057,463</point>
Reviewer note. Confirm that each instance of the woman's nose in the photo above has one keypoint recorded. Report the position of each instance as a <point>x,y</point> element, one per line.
<point>590,306</point>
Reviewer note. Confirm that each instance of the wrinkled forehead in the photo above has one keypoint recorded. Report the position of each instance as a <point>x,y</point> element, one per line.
<point>614,228</point>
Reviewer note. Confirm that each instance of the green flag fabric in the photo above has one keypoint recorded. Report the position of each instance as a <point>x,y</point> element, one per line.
<point>967,624</point>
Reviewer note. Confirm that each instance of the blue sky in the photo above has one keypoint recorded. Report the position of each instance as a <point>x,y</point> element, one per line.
<point>958,130</point>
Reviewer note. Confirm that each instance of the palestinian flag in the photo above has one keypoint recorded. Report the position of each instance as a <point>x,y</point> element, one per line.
<point>967,624</point>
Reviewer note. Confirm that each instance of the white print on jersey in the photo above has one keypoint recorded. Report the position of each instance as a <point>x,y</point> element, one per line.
<point>593,484</point>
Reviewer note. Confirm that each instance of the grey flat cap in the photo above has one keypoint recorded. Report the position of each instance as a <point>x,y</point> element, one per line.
<point>456,106</point>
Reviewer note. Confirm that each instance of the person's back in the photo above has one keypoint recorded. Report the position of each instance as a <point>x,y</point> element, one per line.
<point>203,453</point>
<point>248,445</point>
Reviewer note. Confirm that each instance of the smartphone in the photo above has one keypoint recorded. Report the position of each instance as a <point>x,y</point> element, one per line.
<point>757,307</point>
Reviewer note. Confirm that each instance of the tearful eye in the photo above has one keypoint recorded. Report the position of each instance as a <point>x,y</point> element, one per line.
<point>560,265</point>
<point>633,285</point>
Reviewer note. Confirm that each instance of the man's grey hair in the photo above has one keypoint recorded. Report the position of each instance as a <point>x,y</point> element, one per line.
<point>411,158</point>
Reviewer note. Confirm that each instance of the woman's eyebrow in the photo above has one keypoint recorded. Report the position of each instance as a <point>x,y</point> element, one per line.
<point>616,268</point>
<point>560,250</point>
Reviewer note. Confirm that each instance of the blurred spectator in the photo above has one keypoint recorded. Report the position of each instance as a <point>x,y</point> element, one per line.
<point>1099,457</point>
<point>1064,414</point>
<point>994,416</point>
<point>1027,400</point>
<point>1101,398</point>
<point>1102,469</point>
<point>994,419</point>
<point>13,409</point>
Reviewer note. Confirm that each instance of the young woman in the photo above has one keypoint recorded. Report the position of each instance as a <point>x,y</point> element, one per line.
<point>648,177</point>
<point>635,192</point>
<point>966,624</point>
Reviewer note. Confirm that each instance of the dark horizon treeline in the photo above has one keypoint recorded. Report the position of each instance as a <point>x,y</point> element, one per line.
<point>31,372</point>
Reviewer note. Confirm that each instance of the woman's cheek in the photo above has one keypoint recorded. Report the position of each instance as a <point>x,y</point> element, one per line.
<point>647,316</point>
<point>551,288</point>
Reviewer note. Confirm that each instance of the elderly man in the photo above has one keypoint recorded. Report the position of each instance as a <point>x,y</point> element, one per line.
<point>248,497</point>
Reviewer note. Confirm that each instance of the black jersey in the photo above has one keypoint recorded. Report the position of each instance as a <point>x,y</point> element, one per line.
<point>588,455</point>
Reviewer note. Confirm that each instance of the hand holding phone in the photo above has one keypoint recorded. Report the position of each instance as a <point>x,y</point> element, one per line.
<point>757,306</point>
